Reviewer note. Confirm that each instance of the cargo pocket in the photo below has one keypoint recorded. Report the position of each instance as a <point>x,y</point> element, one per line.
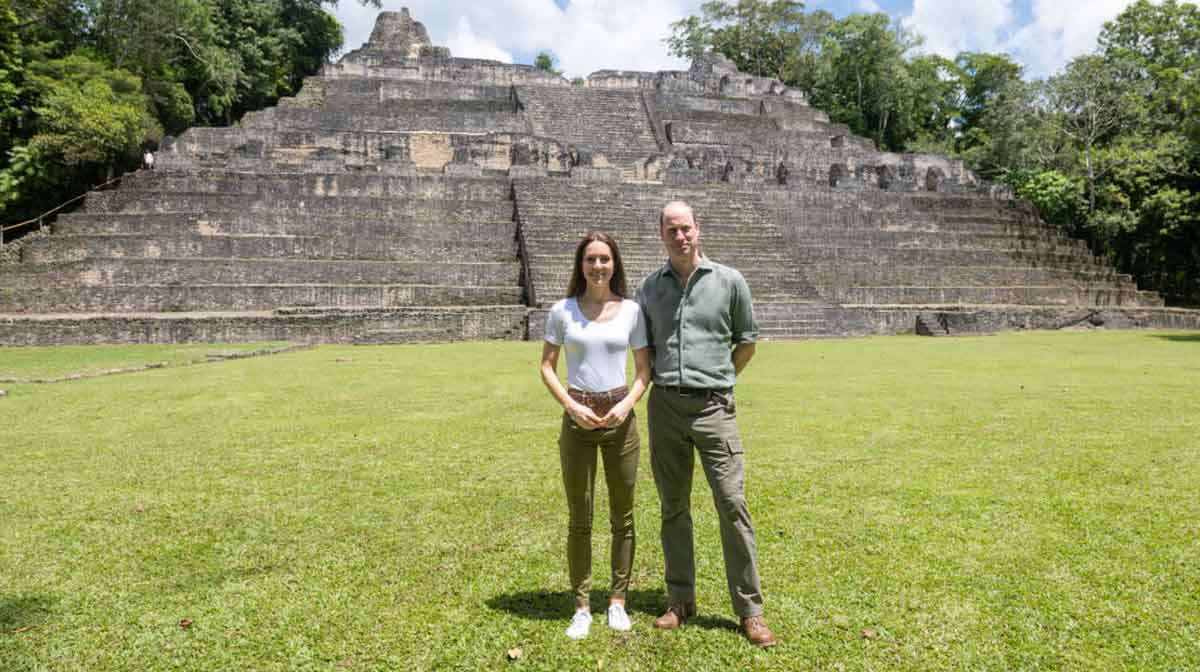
<point>734,446</point>
<point>727,401</point>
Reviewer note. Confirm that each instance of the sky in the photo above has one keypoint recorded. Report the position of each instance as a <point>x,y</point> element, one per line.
<point>589,35</point>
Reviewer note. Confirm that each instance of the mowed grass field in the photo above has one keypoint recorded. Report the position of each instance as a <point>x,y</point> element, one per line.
<point>1026,501</point>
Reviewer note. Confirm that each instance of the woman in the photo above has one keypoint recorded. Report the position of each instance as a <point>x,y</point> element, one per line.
<point>597,325</point>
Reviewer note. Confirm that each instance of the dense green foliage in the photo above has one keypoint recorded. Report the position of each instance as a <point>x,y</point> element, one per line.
<point>87,85</point>
<point>1109,148</point>
<point>546,61</point>
<point>400,508</point>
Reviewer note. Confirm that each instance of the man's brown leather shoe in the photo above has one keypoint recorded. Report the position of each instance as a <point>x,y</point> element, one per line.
<point>757,632</point>
<point>677,614</point>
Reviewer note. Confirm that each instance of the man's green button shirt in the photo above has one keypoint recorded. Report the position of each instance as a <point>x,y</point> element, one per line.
<point>693,329</point>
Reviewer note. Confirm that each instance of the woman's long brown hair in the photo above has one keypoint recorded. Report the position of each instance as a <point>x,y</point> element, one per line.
<point>616,283</point>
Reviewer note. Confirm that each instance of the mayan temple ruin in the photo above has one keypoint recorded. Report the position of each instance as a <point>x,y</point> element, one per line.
<point>407,195</point>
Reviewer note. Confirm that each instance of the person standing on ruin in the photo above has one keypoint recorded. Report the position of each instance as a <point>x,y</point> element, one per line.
<point>702,331</point>
<point>597,326</point>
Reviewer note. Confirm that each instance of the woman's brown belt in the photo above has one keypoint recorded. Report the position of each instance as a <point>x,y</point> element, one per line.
<point>600,402</point>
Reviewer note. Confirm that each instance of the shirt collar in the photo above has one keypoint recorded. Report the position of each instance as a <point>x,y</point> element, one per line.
<point>703,265</point>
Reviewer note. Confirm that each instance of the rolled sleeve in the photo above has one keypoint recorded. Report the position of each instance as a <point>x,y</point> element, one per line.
<point>741,310</point>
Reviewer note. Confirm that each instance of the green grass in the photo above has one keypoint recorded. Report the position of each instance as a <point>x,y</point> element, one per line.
<point>20,364</point>
<point>1017,502</point>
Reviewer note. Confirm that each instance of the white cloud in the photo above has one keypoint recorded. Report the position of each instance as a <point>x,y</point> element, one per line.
<point>465,42</point>
<point>1059,32</point>
<point>588,35</point>
<point>591,35</point>
<point>1056,32</point>
<point>951,26</point>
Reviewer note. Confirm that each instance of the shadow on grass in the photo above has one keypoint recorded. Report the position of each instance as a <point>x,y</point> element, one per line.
<point>554,606</point>
<point>19,613</point>
<point>1179,338</point>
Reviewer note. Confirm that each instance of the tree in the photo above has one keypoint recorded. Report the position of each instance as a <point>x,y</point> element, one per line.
<point>866,78</point>
<point>983,77</point>
<point>91,113</point>
<point>546,62</point>
<point>763,37</point>
<point>1089,102</point>
<point>1162,43</point>
<point>933,104</point>
<point>1148,199</point>
<point>85,83</point>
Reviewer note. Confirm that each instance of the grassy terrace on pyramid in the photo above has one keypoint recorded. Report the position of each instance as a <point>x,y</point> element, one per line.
<point>406,195</point>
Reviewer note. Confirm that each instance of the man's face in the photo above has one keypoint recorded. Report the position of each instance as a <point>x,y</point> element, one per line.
<point>679,233</point>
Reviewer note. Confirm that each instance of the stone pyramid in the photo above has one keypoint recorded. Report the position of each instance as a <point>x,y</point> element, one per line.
<point>407,195</point>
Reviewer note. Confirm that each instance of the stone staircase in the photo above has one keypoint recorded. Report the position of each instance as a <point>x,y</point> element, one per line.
<point>281,251</point>
<point>611,125</point>
<point>405,195</point>
<point>553,215</point>
<point>943,250</point>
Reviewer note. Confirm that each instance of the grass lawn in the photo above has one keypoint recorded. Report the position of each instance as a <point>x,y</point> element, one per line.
<point>1017,502</point>
<point>23,364</point>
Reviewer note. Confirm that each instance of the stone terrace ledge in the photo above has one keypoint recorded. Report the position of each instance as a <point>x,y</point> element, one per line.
<point>405,195</point>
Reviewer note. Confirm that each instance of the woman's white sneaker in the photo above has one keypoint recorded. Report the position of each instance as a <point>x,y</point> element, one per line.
<point>618,619</point>
<point>580,623</point>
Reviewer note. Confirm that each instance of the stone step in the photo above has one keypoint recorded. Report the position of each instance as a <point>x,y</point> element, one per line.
<point>652,255</point>
<point>501,102</point>
<point>216,246</point>
<point>225,271</point>
<point>859,274</point>
<point>548,282</point>
<point>360,90</point>
<point>1033,295</point>
<point>171,298</point>
<point>924,204</point>
<point>399,336</point>
<point>557,195</point>
<point>455,323</point>
<point>611,122</point>
<point>857,320</point>
<point>438,227</point>
<point>327,150</point>
<point>794,284</point>
<point>639,239</point>
<point>946,239</point>
<point>417,187</point>
<point>1070,259</point>
<point>864,223</point>
<point>134,201</point>
<point>390,117</point>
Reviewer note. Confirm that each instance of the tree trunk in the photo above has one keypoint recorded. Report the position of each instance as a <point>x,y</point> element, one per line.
<point>1091,177</point>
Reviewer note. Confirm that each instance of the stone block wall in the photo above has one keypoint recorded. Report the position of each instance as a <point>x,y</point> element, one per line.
<point>406,195</point>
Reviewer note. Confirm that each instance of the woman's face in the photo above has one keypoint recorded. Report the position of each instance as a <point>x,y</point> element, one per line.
<point>597,264</point>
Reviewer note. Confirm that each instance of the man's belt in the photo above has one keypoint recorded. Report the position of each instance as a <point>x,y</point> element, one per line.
<point>692,391</point>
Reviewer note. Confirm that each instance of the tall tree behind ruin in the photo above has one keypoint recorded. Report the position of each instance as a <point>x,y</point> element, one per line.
<point>151,66</point>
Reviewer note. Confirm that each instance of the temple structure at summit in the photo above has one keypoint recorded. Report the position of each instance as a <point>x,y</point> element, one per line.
<point>408,195</point>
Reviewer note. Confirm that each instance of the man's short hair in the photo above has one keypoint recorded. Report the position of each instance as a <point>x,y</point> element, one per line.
<point>662,213</point>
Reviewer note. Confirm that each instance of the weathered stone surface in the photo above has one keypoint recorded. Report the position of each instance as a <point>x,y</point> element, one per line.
<point>406,195</point>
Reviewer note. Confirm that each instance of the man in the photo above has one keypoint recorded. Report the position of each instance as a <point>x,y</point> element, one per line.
<point>701,327</point>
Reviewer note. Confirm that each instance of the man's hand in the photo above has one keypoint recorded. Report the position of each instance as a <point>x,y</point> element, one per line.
<point>742,352</point>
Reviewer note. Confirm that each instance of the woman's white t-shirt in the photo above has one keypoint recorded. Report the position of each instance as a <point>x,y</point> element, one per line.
<point>596,351</point>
